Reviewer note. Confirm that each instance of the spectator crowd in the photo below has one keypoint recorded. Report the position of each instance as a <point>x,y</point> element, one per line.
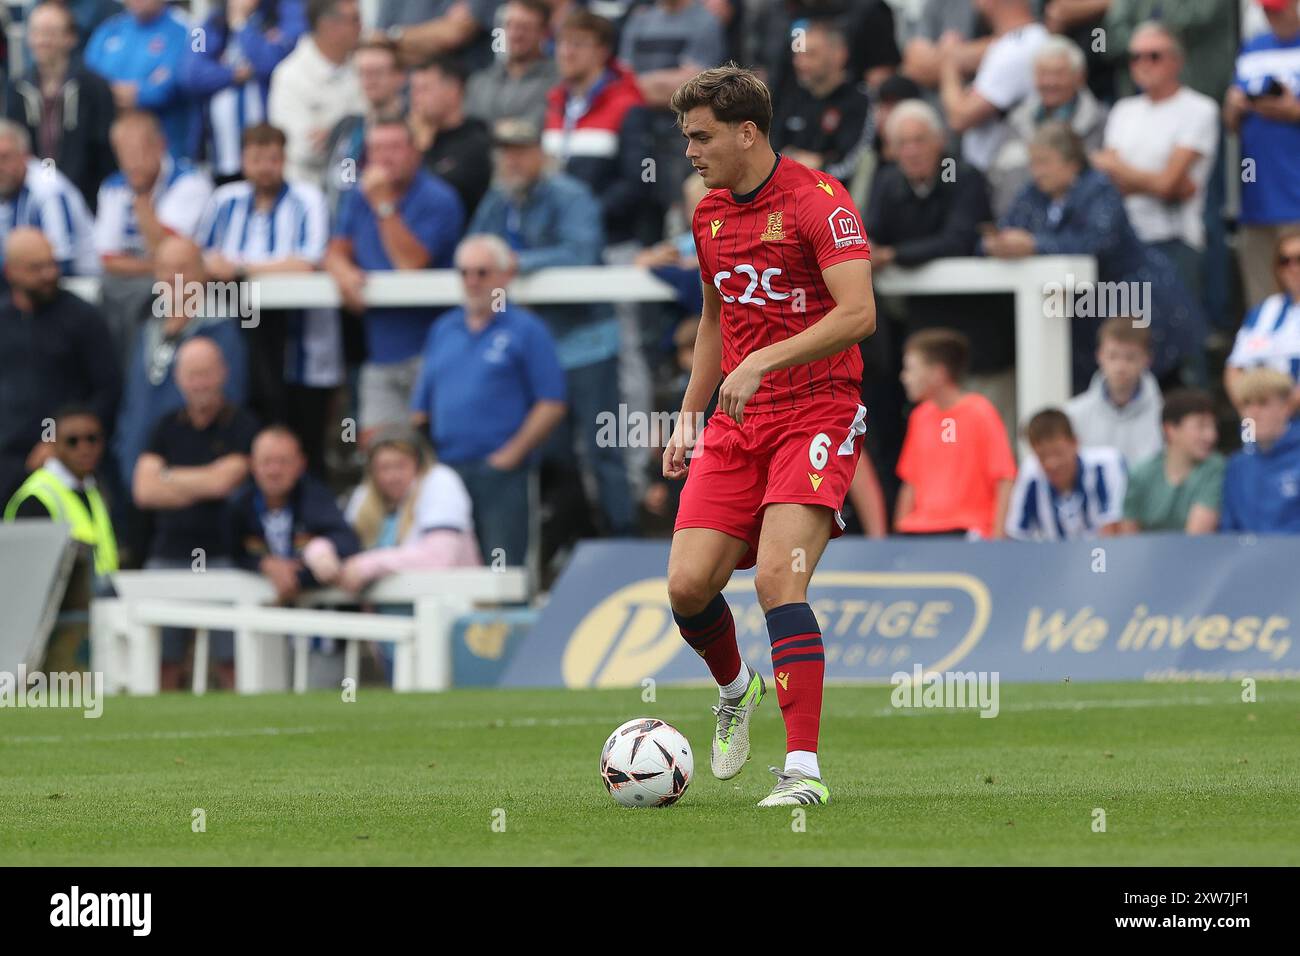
<point>178,157</point>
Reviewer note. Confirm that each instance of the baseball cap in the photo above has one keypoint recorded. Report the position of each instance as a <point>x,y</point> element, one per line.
<point>515,131</point>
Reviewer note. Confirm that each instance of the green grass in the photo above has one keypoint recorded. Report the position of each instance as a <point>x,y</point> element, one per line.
<point>1186,773</point>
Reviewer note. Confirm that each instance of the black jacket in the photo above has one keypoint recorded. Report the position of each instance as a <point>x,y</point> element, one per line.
<point>315,515</point>
<point>84,154</point>
<point>943,223</point>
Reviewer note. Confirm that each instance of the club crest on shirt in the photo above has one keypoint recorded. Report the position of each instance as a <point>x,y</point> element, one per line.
<point>774,231</point>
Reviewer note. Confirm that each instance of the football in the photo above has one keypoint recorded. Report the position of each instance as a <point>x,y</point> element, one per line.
<point>646,763</point>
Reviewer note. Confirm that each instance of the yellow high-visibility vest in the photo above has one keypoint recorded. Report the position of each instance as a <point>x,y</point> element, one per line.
<point>93,528</point>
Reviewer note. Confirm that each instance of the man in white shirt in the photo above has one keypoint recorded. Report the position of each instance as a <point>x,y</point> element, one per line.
<point>316,85</point>
<point>1005,77</point>
<point>1157,151</point>
<point>34,193</point>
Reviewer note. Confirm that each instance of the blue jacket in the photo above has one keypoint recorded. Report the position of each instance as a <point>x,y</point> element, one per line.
<point>1261,489</point>
<point>150,54</point>
<point>205,72</point>
<point>557,224</point>
<point>315,515</point>
<point>1091,221</point>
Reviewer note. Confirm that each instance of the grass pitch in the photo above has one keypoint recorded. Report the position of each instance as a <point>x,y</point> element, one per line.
<point>1186,774</point>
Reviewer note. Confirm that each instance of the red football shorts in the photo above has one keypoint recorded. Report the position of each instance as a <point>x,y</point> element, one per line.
<point>804,456</point>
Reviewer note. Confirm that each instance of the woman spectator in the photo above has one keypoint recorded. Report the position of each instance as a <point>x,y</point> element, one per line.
<point>411,514</point>
<point>1270,335</point>
<point>243,41</point>
<point>1071,209</point>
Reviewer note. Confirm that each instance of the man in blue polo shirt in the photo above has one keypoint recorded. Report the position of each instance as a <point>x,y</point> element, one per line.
<point>1263,105</point>
<point>399,217</point>
<point>140,52</point>
<point>491,390</point>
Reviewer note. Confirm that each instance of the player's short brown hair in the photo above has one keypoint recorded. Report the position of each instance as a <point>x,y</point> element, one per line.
<point>1048,424</point>
<point>946,347</point>
<point>263,134</point>
<point>1122,329</point>
<point>732,92</point>
<point>584,21</point>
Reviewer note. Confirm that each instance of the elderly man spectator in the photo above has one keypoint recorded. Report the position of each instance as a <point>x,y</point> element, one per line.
<point>824,122</point>
<point>35,194</point>
<point>382,83</point>
<point>1206,29</point>
<point>1071,209</point>
<point>927,206</point>
<point>516,84</point>
<point>152,389</point>
<point>285,524</point>
<point>594,127</point>
<point>1082,22</point>
<point>245,40</point>
<point>1263,105</point>
<point>195,458</point>
<point>316,85</point>
<point>1158,149</point>
<point>64,489</point>
<point>65,108</point>
<point>1060,93</point>
<point>141,53</point>
<point>55,350</point>
<point>425,28</point>
<point>490,392</point>
<point>553,220</point>
<point>454,146</point>
<point>400,217</point>
<point>1004,78</point>
<point>258,226</point>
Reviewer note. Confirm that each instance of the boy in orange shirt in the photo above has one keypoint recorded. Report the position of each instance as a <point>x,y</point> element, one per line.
<point>956,466</point>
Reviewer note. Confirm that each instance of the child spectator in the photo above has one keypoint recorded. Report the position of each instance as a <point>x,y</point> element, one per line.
<point>1181,487</point>
<point>1261,489</point>
<point>1065,492</point>
<point>410,513</point>
<point>956,465</point>
<point>1121,408</point>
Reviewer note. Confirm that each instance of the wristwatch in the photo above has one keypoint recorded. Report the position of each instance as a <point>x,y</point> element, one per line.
<point>385,209</point>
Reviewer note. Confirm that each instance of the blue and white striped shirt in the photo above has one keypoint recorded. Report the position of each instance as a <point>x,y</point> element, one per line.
<point>179,195</point>
<point>1270,336</point>
<point>1039,512</point>
<point>48,201</point>
<point>296,226</point>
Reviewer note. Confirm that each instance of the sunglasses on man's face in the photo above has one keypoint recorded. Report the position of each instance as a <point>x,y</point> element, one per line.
<point>1284,261</point>
<point>1150,56</point>
<point>92,439</point>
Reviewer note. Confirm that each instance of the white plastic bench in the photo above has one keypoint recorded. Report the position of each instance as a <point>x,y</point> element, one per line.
<point>126,642</point>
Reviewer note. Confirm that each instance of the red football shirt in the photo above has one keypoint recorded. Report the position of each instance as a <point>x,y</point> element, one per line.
<point>764,252</point>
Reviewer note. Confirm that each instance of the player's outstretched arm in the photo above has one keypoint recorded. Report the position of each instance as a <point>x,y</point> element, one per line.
<point>851,321</point>
<point>706,369</point>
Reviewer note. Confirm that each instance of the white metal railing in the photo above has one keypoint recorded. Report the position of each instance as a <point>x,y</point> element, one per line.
<point>1042,338</point>
<point>126,643</point>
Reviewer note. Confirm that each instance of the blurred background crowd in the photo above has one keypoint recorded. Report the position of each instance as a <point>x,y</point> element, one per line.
<point>215,144</point>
